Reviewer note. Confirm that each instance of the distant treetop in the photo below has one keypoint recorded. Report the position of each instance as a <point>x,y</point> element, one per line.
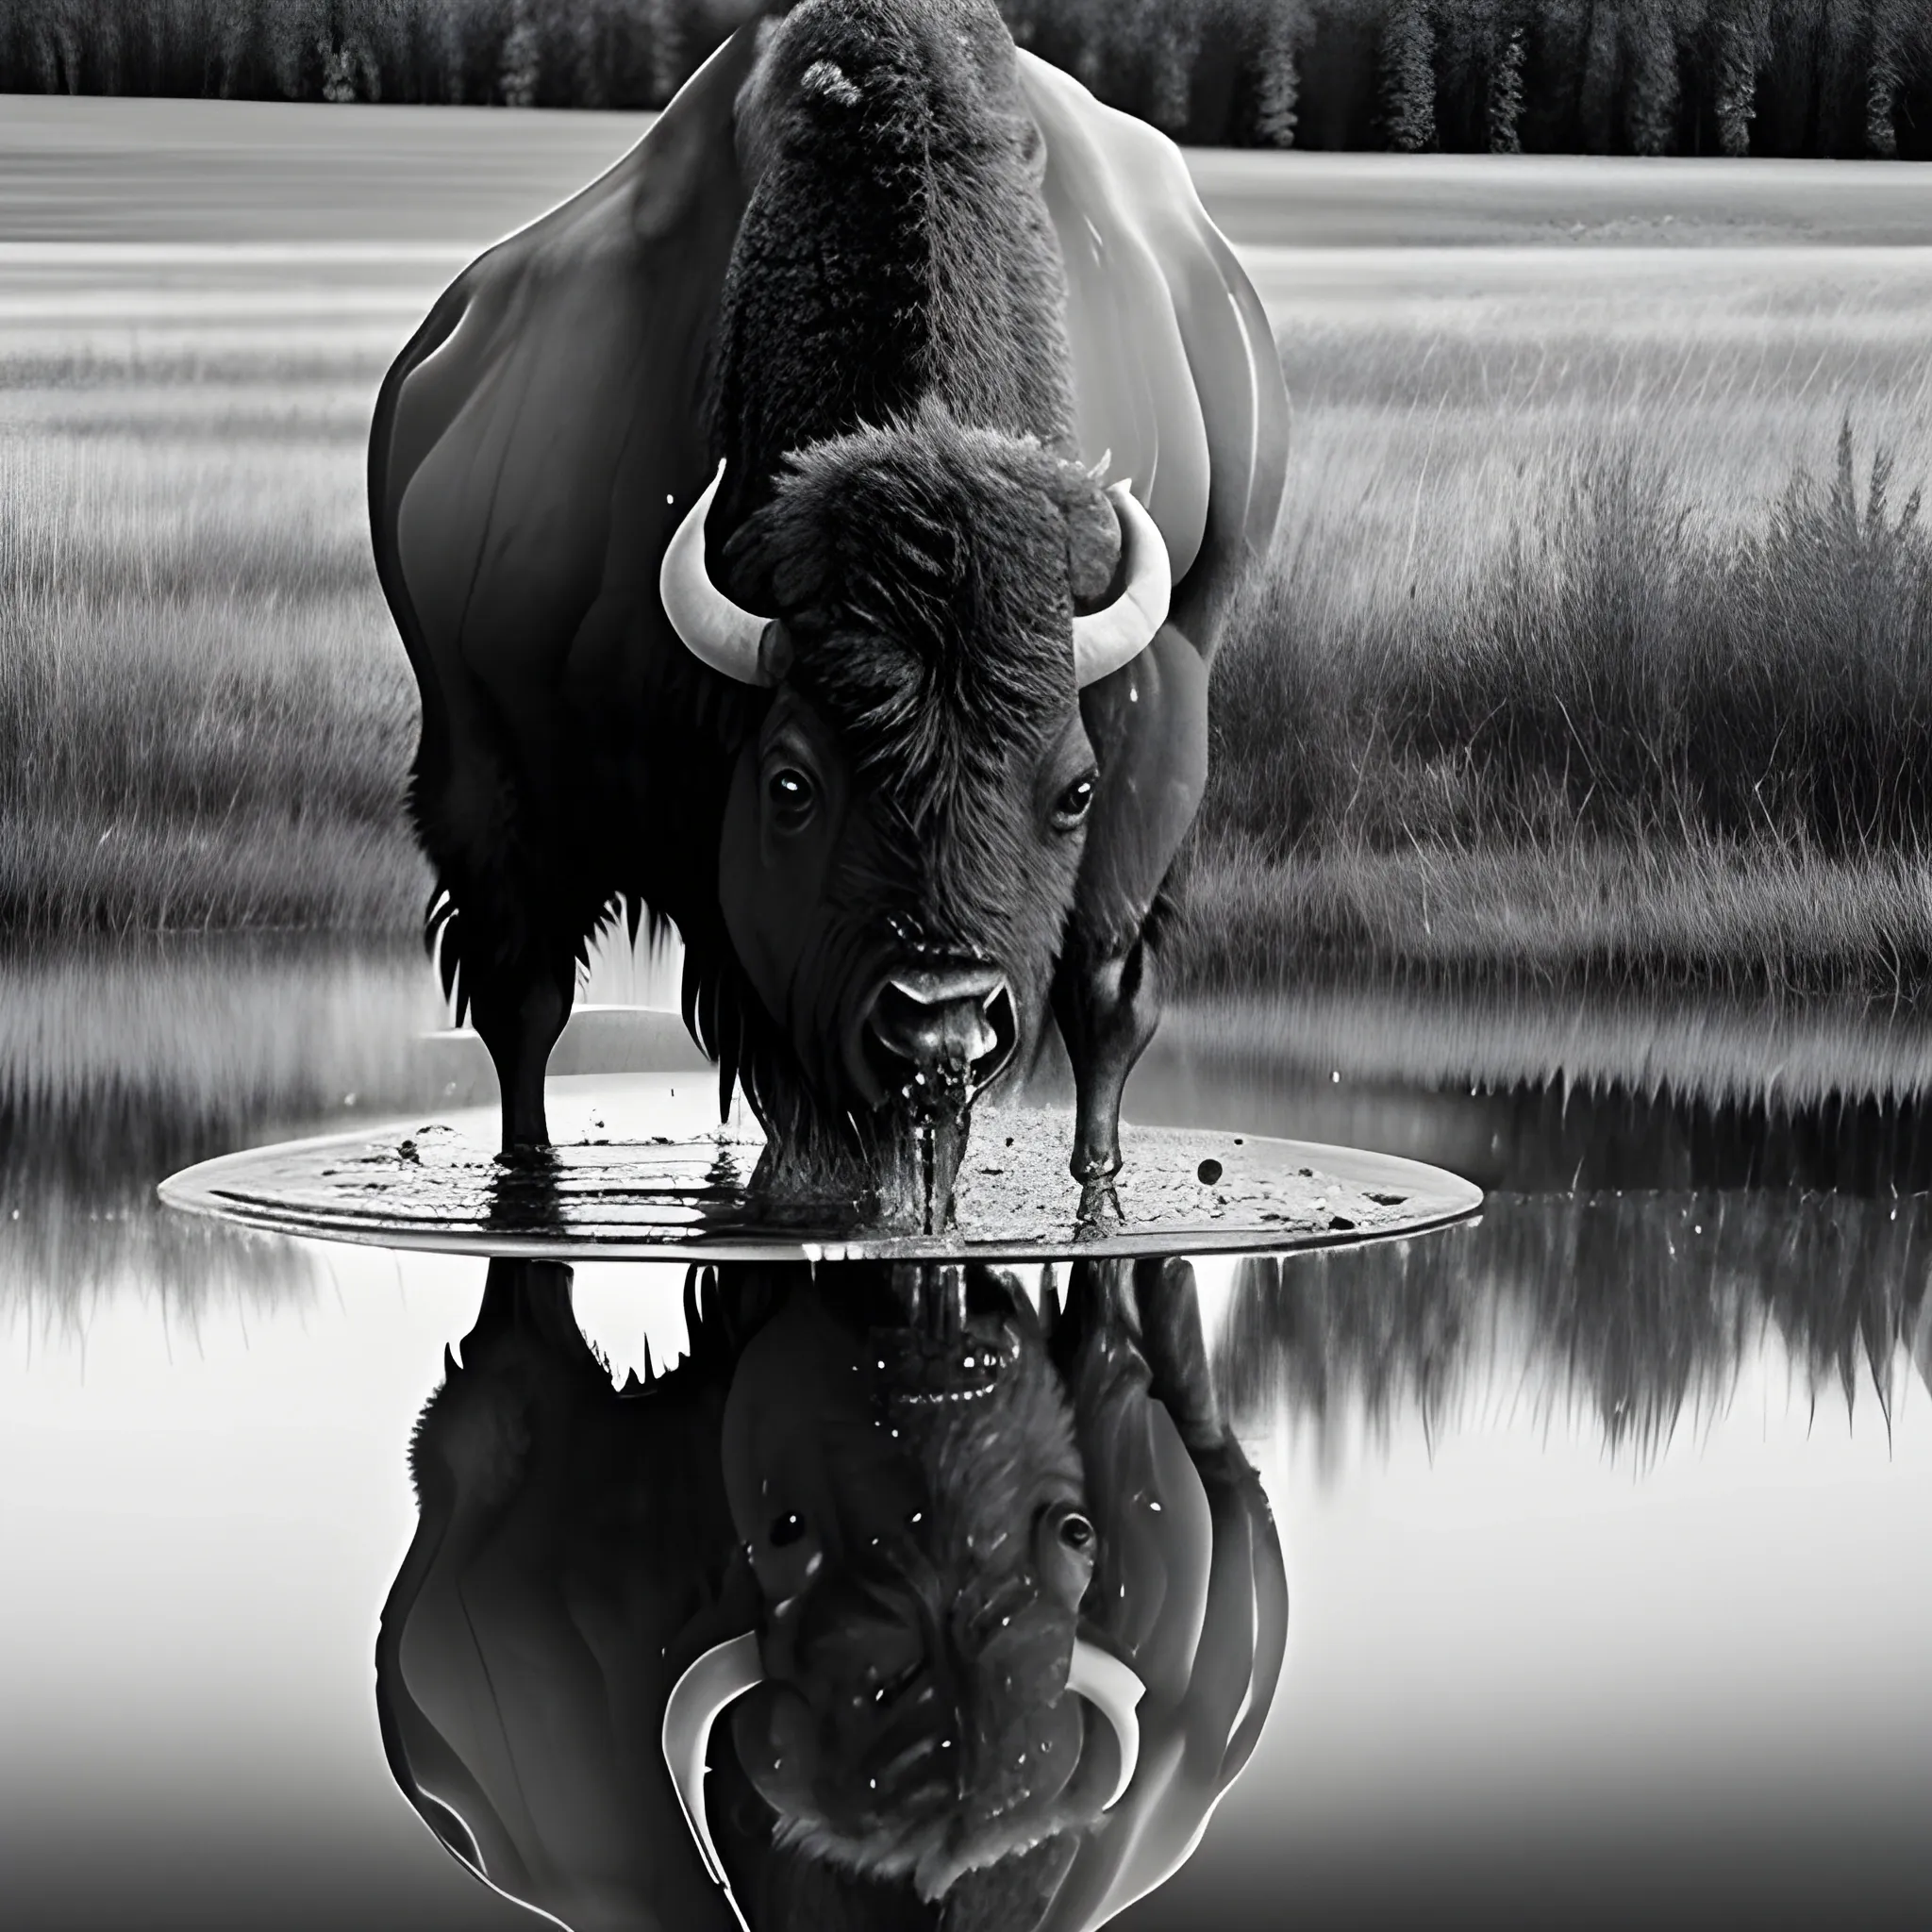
<point>1829,77</point>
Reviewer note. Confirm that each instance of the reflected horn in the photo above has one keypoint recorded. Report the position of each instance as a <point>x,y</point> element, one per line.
<point>715,630</point>
<point>718,1678</point>
<point>1106,639</point>
<point>725,1671</point>
<point>1115,1692</point>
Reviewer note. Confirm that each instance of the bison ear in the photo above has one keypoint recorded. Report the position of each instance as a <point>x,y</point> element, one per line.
<point>1094,536</point>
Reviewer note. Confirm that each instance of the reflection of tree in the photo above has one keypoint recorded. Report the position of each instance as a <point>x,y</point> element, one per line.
<point>1636,1308</point>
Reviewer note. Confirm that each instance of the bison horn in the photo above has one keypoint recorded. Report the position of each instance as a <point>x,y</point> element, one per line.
<point>715,630</point>
<point>725,1671</point>
<point>1106,639</point>
<point>723,1674</point>
<point>1108,1685</point>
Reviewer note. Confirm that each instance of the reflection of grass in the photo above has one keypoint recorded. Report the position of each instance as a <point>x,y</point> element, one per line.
<point>122,1060</point>
<point>205,717</point>
<point>1636,1310</point>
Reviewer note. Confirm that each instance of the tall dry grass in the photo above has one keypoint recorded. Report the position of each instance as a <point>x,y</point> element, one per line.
<point>205,718</point>
<point>1631,746</point>
<point>1618,668</point>
<point>1597,645</point>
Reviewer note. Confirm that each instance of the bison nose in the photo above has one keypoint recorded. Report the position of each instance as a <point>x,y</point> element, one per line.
<point>955,1024</point>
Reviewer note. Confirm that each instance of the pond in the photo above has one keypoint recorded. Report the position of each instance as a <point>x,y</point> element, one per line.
<point>1603,1516</point>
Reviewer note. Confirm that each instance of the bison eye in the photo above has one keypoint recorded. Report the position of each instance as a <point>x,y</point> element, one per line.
<point>1074,804</point>
<point>792,797</point>
<point>1065,1544</point>
<point>786,1530</point>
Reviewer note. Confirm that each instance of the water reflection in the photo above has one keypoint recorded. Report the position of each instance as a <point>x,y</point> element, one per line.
<point>1605,1517</point>
<point>1541,1092</point>
<point>979,1588</point>
<point>120,1062</point>
<point>1634,1309</point>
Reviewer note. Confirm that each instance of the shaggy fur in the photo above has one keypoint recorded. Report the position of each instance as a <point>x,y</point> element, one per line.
<point>896,247</point>
<point>892,399</point>
<point>928,574</point>
<point>936,1779</point>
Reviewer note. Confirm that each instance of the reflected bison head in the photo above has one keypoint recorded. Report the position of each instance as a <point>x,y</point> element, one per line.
<point>847,1615</point>
<point>904,829</point>
<point>913,1507</point>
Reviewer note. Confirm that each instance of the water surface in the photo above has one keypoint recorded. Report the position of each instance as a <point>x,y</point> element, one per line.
<point>1604,1518</point>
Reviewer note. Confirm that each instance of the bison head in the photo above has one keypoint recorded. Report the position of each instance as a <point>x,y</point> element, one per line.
<point>904,828</point>
<point>918,1703</point>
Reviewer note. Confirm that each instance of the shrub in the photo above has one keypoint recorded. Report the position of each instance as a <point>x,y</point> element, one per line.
<point>1620,671</point>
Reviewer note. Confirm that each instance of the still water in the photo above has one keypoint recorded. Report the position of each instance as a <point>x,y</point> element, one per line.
<point>1603,1518</point>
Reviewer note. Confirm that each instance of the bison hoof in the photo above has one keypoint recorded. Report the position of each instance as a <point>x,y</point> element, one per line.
<point>1100,1209</point>
<point>522,1192</point>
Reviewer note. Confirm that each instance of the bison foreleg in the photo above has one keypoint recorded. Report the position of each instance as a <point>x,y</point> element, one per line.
<point>519,1026</point>
<point>1107,1005</point>
<point>1176,1347</point>
<point>1148,725</point>
<point>516,986</point>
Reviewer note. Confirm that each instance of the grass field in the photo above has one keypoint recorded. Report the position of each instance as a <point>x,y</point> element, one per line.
<point>207,724</point>
<point>1558,671</point>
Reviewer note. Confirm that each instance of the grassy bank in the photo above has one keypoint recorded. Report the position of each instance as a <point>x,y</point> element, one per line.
<point>1593,650</point>
<point>1603,913</point>
<point>1597,647</point>
<point>1620,667</point>
<point>1632,747</point>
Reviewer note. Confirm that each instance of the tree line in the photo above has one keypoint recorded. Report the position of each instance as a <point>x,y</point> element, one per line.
<point>1826,78</point>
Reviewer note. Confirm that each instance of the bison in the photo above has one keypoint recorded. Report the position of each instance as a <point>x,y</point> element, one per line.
<point>869,1616</point>
<point>814,537</point>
